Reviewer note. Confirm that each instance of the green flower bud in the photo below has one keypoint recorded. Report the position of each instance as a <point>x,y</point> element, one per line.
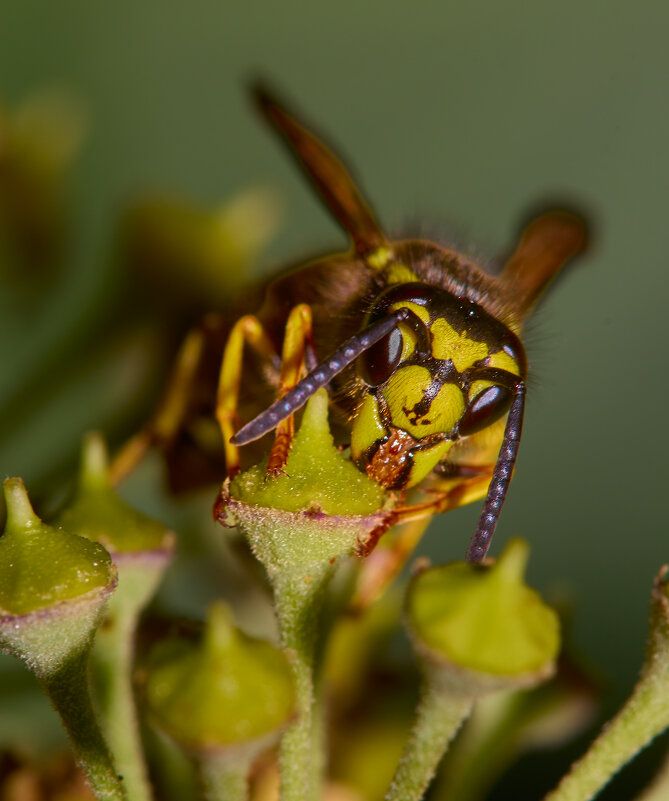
<point>41,565</point>
<point>227,690</point>
<point>317,476</point>
<point>39,139</point>
<point>196,254</point>
<point>98,514</point>
<point>484,619</point>
<point>141,549</point>
<point>53,587</point>
<point>322,508</point>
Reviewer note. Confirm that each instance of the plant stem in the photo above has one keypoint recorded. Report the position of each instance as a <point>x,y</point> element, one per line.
<point>68,689</point>
<point>484,750</point>
<point>298,604</point>
<point>114,650</point>
<point>643,717</point>
<point>441,711</point>
<point>300,552</point>
<point>113,660</point>
<point>224,778</point>
<point>300,527</point>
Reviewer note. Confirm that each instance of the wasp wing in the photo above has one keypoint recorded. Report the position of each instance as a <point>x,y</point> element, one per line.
<point>546,244</point>
<point>327,173</point>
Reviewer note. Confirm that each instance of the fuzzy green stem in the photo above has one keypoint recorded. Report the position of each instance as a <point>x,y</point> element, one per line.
<point>300,526</point>
<point>68,689</point>
<point>484,750</point>
<point>441,711</point>
<point>300,551</point>
<point>224,778</point>
<point>298,603</point>
<point>643,717</point>
<point>114,651</point>
<point>113,659</point>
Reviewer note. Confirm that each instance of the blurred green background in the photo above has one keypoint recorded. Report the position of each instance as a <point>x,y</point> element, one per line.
<point>455,116</point>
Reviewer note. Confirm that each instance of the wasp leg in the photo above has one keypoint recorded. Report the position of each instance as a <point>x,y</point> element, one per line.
<point>460,485</point>
<point>248,330</point>
<point>464,484</point>
<point>385,562</point>
<point>297,344</point>
<point>171,411</point>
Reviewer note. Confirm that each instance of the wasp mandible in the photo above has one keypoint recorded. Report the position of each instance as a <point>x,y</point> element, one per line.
<point>420,348</point>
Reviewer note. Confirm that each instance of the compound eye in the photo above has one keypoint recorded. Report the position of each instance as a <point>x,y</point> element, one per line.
<point>379,362</point>
<point>486,408</point>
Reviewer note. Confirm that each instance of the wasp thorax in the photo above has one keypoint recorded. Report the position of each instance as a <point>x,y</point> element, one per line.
<point>445,372</point>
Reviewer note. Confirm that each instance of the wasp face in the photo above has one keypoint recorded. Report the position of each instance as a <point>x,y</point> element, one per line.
<point>444,374</point>
<point>438,358</point>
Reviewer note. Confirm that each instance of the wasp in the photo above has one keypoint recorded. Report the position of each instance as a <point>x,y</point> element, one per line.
<point>420,348</point>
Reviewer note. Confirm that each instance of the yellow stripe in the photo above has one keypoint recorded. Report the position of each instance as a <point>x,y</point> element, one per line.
<point>400,274</point>
<point>448,344</point>
<point>405,390</point>
<point>425,461</point>
<point>503,361</point>
<point>379,258</point>
<point>420,311</point>
<point>367,427</point>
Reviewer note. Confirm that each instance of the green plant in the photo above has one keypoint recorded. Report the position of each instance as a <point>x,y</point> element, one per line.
<point>162,708</point>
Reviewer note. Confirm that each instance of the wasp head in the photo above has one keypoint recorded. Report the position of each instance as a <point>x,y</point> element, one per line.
<point>445,373</point>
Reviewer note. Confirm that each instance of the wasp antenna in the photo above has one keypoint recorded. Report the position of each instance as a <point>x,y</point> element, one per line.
<point>327,173</point>
<point>501,477</point>
<point>319,377</point>
<point>546,244</point>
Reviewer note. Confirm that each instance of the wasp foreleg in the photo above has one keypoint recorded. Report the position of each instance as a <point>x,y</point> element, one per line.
<point>296,344</point>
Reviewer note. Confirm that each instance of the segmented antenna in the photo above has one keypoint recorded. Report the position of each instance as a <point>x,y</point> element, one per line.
<point>501,477</point>
<point>319,377</point>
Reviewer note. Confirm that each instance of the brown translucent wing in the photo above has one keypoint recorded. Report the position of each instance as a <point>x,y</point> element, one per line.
<point>332,180</point>
<point>546,244</point>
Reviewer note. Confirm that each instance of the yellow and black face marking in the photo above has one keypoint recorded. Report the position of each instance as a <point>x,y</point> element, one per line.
<point>421,346</point>
<point>448,373</point>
